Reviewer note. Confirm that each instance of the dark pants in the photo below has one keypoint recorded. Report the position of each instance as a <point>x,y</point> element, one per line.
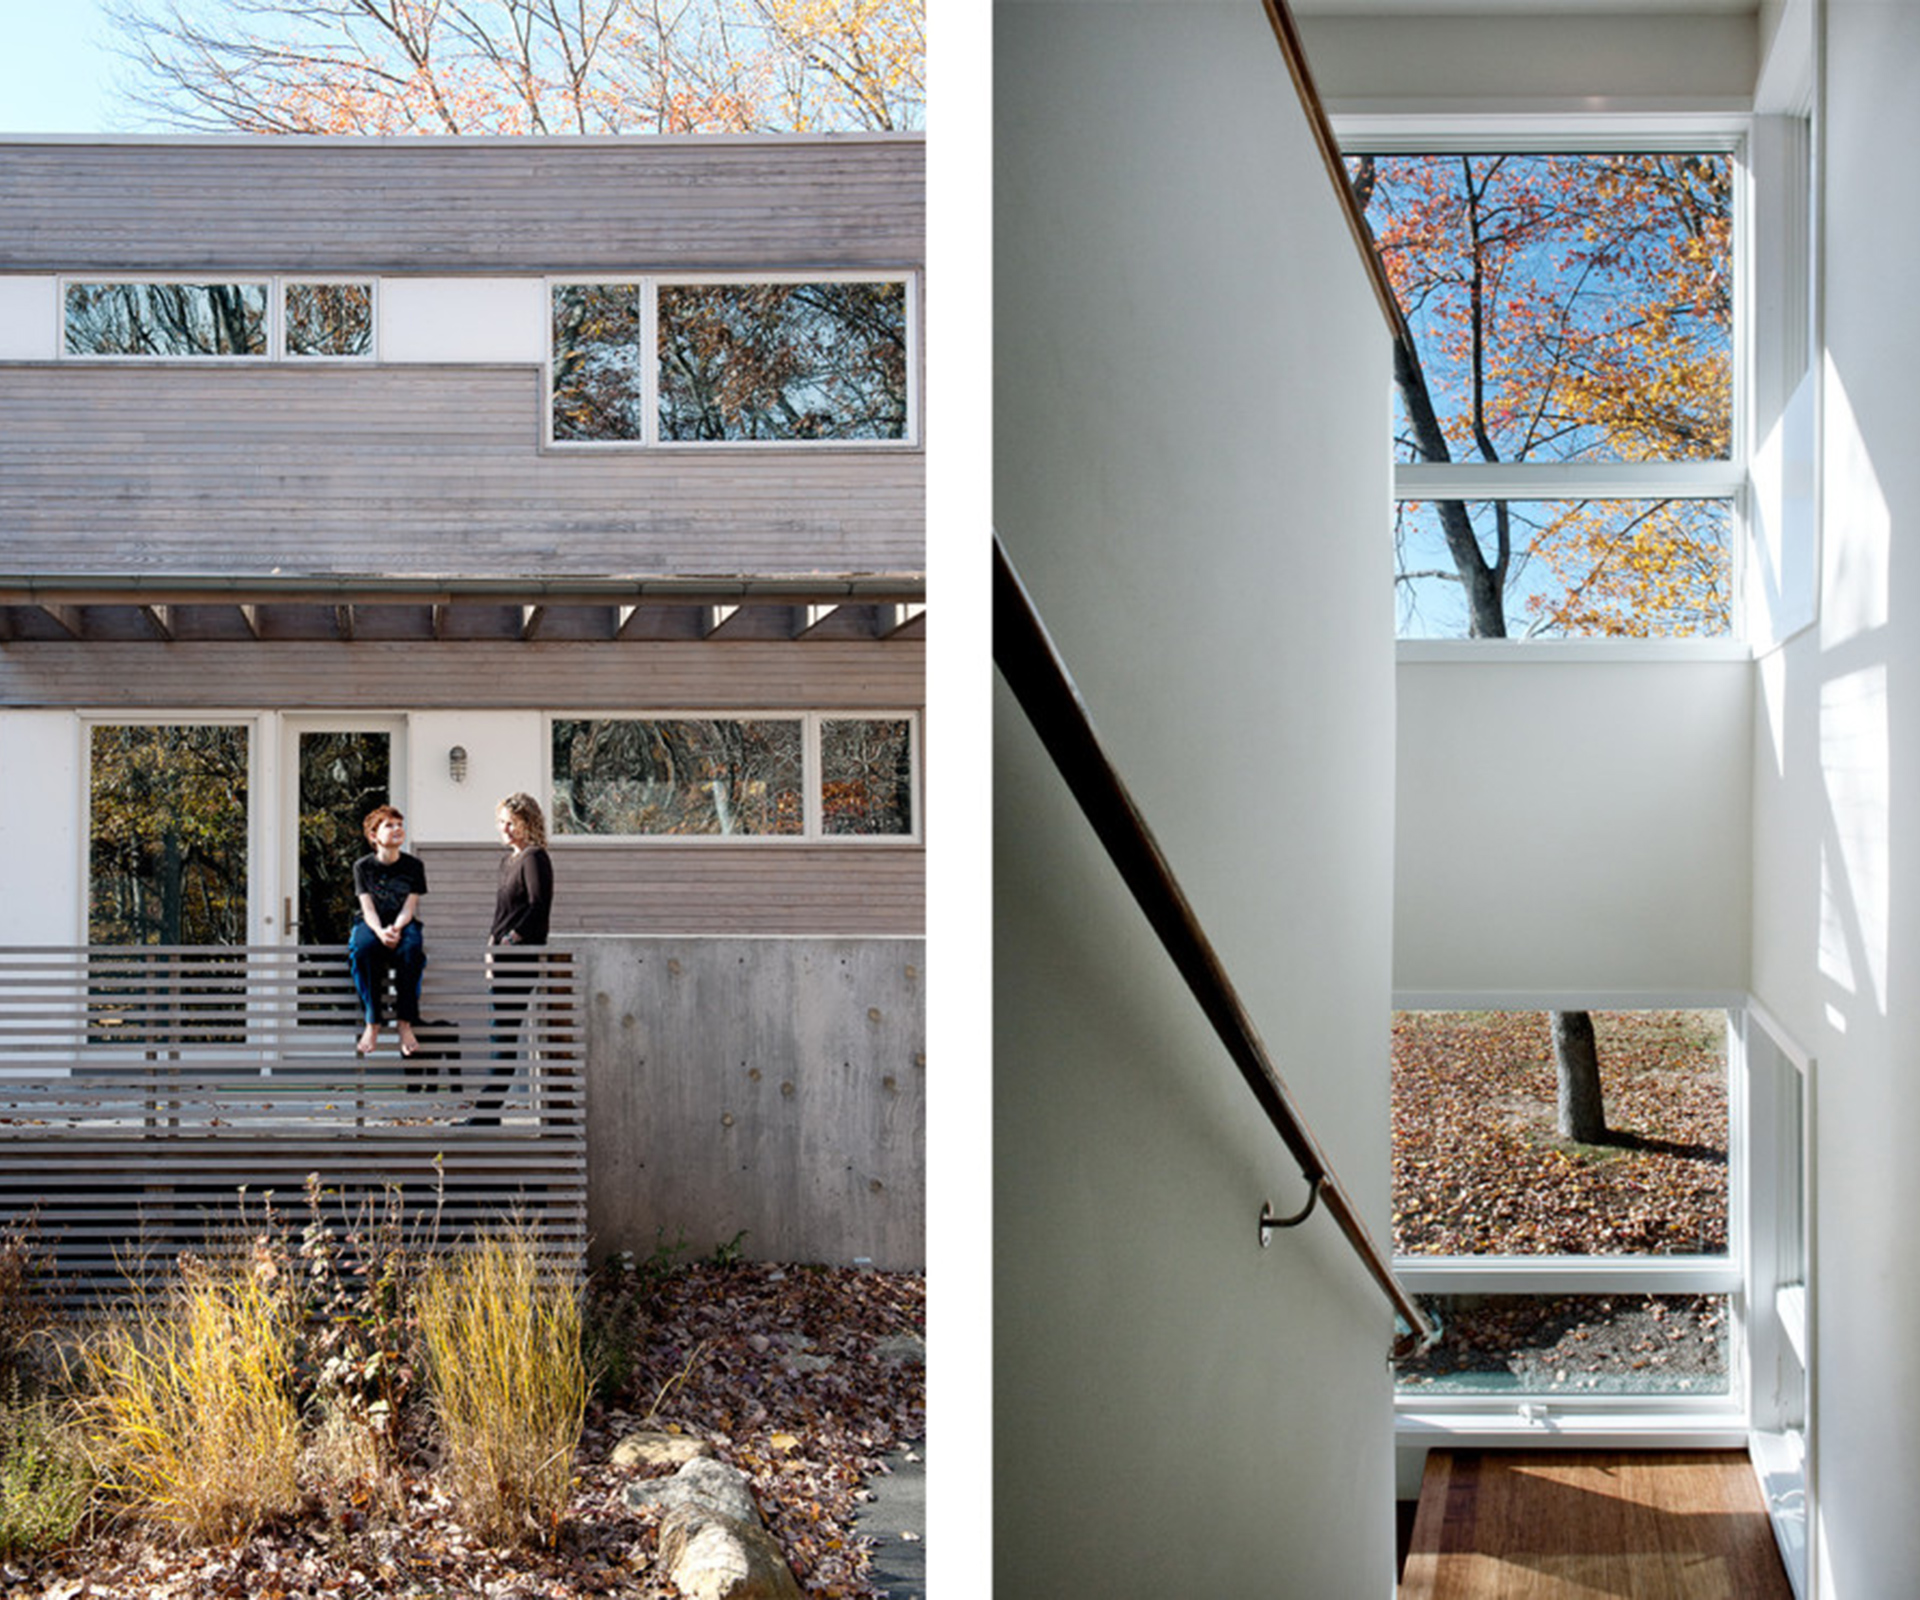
<point>516,974</point>
<point>370,961</point>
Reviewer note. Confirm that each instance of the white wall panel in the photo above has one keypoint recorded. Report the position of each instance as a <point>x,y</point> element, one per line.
<point>462,319</point>
<point>504,754</point>
<point>1572,825</point>
<point>43,771</point>
<point>29,318</point>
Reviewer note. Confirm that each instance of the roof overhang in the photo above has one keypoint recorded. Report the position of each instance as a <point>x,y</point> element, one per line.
<point>119,608</point>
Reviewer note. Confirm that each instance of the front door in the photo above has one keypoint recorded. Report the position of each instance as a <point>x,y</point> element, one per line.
<point>339,775</point>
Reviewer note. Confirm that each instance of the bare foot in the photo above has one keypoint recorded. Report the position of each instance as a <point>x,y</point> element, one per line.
<point>369,1039</point>
<point>408,1043</point>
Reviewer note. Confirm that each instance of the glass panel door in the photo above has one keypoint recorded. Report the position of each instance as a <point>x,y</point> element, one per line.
<point>343,774</point>
<point>336,776</point>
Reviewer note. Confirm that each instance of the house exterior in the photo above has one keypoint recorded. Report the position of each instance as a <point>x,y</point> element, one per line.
<point>429,470</point>
<point>1361,823</point>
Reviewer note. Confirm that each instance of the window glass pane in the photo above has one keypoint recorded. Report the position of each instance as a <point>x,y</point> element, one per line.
<point>866,776</point>
<point>1573,1345</point>
<point>329,319</point>
<point>596,361</point>
<point>1562,307</point>
<point>169,842</point>
<point>1649,569</point>
<point>625,776</point>
<point>1479,1165</point>
<point>783,361</point>
<point>167,319</point>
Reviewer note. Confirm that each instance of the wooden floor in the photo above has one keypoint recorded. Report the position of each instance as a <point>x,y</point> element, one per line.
<point>1575,1524</point>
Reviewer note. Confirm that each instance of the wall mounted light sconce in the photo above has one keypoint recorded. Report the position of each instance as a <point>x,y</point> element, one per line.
<point>457,763</point>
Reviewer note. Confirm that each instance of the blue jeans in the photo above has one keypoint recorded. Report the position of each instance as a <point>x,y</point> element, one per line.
<point>370,961</point>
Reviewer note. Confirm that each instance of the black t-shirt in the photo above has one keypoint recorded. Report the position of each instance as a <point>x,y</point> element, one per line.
<point>389,884</point>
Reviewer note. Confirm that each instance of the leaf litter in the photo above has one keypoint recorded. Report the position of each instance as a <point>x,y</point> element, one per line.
<point>1479,1169</point>
<point>782,1370</point>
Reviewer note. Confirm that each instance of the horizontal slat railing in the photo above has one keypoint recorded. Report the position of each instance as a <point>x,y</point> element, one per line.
<point>1038,677</point>
<point>151,1098</point>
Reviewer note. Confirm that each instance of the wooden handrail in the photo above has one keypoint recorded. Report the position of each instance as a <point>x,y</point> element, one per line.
<point>1039,679</point>
<point>1287,33</point>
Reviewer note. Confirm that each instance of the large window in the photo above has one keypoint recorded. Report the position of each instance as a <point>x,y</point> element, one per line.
<point>646,361</point>
<point>1566,1269</point>
<point>168,843</point>
<point>776,776</point>
<point>258,319</point>
<point>1566,428</point>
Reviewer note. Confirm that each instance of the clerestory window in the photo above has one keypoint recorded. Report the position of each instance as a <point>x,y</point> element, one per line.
<point>1567,429</point>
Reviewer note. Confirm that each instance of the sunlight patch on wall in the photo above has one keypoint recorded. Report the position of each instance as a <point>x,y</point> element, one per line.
<point>1854,857</point>
<point>1857,527</point>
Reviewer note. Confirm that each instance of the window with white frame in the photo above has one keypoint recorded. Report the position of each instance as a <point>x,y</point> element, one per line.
<point>794,776</point>
<point>205,318</point>
<point>1568,1274</point>
<point>167,845</point>
<point>1567,430</point>
<point>824,360</point>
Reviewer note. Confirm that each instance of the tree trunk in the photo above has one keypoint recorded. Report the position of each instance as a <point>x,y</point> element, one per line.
<point>1576,1061</point>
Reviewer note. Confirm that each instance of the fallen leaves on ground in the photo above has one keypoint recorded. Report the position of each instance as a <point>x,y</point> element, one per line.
<point>1478,1168</point>
<point>778,1368</point>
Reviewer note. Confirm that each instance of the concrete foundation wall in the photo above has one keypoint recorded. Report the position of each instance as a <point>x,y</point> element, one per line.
<point>772,1085</point>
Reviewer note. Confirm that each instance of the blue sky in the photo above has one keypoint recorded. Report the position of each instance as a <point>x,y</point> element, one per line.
<point>56,71</point>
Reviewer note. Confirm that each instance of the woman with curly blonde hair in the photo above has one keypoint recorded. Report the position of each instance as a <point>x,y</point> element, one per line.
<point>521,910</point>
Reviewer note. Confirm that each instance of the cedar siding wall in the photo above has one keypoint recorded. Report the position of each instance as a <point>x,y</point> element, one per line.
<point>463,205</point>
<point>409,471</point>
<point>801,675</point>
<point>703,888</point>
<point>149,468</point>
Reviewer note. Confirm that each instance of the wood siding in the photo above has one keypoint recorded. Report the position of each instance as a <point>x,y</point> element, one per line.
<point>700,888</point>
<point>413,471</point>
<point>806,674</point>
<point>463,205</point>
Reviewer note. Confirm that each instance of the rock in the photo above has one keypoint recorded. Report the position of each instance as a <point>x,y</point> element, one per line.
<point>717,1558</point>
<point>901,1348</point>
<point>648,1449</point>
<point>711,1541</point>
<point>806,1363</point>
<point>703,1482</point>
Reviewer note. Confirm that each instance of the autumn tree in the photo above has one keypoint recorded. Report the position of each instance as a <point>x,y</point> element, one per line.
<point>524,66</point>
<point>1570,308</point>
<point>1562,308</point>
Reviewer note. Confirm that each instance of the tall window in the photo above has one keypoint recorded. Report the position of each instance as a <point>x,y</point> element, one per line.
<point>168,847</point>
<point>1566,426</point>
<point>1565,1270</point>
<point>796,362</point>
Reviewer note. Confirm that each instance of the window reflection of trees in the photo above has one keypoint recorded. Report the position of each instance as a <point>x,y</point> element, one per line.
<point>169,836</point>
<point>596,361</point>
<point>866,776</point>
<point>167,319</point>
<point>627,776</point>
<point>329,319</point>
<point>783,361</point>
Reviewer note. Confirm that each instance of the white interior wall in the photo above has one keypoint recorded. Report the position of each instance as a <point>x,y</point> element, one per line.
<point>1503,59</point>
<point>1191,411</point>
<point>1572,826</point>
<point>1837,803</point>
<point>43,760</point>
